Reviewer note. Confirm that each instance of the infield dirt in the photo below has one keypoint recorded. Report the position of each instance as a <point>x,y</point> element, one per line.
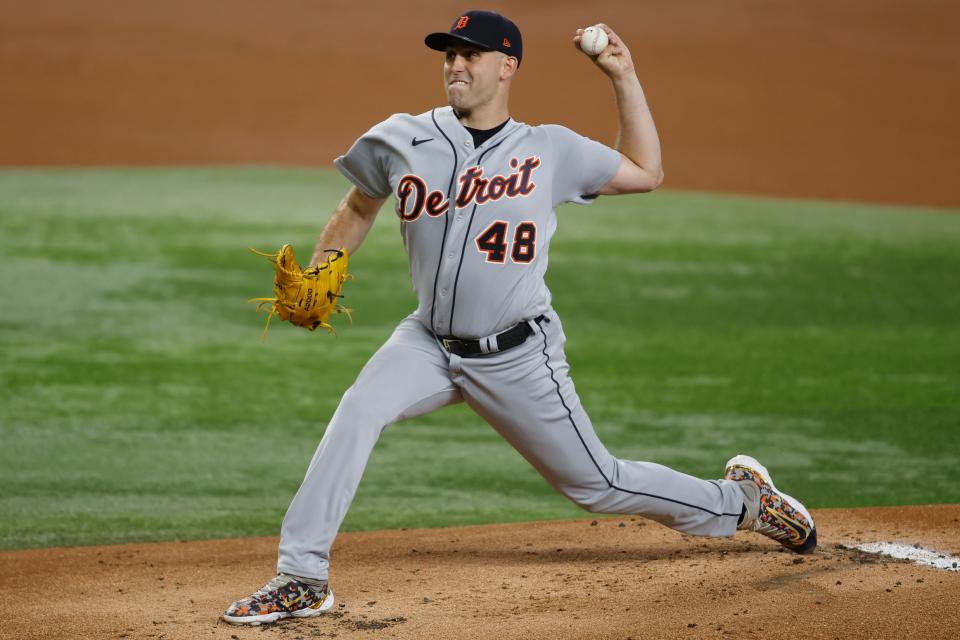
<point>836,99</point>
<point>619,578</point>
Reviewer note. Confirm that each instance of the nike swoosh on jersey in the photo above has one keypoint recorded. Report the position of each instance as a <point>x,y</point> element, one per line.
<point>416,142</point>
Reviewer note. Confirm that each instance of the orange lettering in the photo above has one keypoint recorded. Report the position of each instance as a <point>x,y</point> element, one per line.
<point>462,22</point>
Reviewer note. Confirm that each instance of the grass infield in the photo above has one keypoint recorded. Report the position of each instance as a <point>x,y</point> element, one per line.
<point>137,402</point>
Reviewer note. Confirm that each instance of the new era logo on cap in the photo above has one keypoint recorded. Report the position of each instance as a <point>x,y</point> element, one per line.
<point>485,29</point>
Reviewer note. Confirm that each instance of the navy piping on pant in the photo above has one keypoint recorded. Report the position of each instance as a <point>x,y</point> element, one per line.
<point>594,461</point>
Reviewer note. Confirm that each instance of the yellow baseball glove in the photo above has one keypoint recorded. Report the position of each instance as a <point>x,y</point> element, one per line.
<point>305,297</point>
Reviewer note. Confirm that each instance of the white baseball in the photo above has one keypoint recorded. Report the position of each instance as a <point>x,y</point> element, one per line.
<point>593,41</point>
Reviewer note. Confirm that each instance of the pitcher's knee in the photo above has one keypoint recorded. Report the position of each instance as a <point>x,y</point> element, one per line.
<point>360,411</point>
<point>595,499</point>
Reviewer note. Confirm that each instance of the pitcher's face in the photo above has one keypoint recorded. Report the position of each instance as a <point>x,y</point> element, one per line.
<point>471,76</point>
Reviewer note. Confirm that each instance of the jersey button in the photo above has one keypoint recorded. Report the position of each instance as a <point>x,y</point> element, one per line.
<point>451,255</point>
<point>443,292</point>
<point>466,143</point>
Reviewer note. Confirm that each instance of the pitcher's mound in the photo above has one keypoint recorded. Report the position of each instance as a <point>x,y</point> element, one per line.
<point>605,578</point>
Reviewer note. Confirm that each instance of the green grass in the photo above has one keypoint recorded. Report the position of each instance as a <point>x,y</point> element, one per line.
<point>137,402</point>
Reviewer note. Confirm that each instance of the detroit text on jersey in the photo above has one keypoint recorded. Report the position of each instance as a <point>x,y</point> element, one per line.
<point>413,197</point>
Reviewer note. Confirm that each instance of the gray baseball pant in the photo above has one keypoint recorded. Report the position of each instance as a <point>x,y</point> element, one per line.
<point>526,394</point>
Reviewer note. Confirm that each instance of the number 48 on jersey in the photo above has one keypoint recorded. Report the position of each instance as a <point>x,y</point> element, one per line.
<point>493,242</point>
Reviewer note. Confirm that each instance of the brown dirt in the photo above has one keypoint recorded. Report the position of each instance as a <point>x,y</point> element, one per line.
<point>846,99</point>
<point>619,578</point>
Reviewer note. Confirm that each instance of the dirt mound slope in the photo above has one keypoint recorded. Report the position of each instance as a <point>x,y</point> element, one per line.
<point>617,578</point>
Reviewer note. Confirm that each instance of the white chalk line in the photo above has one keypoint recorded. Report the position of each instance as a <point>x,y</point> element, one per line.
<point>913,553</point>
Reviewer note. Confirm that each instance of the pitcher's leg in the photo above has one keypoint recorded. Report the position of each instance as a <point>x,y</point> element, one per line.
<point>527,395</point>
<point>408,376</point>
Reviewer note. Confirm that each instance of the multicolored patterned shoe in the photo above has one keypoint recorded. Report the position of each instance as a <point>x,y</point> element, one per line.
<point>774,514</point>
<point>282,597</point>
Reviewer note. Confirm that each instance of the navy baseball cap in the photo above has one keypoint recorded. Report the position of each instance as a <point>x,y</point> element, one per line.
<point>485,29</point>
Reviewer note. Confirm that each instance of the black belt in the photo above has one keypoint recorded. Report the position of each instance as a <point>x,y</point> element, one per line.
<point>512,337</point>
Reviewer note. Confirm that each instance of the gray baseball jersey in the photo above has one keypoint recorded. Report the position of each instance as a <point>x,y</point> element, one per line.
<point>477,224</point>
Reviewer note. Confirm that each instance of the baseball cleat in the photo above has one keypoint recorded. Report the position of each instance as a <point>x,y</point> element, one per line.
<point>774,514</point>
<point>282,597</point>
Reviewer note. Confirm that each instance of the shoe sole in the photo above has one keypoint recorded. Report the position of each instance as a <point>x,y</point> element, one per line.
<point>754,465</point>
<point>255,621</point>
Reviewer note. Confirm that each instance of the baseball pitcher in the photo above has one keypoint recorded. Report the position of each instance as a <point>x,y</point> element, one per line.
<point>475,193</point>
